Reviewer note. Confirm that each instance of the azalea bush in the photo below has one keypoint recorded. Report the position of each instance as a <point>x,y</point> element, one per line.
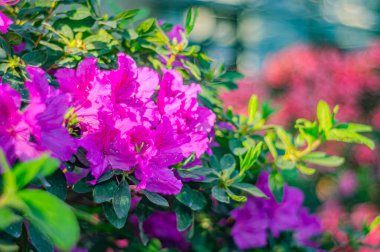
<point>113,137</point>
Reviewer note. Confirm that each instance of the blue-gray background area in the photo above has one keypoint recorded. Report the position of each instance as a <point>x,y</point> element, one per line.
<point>242,33</point>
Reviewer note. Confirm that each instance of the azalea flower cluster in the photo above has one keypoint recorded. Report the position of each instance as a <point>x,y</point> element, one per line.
<point>128,119</point>
<point>258,216</point>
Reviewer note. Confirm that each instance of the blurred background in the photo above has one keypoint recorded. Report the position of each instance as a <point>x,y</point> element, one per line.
<point>294,53</point>
<point>243,32</point>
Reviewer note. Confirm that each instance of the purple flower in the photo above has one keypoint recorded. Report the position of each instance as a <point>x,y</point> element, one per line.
<point>176,34</point>
<point>251,224</point>
<point>257,216</point>
<point>163,226</point>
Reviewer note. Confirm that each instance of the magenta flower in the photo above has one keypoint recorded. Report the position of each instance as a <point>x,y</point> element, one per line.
<point>258,216</point>
<point>107,149</point>
<point>5,22</point>
<point>180,104</point>
<point>123,126</point>
<point>14,132</point>
<point>87,91</point>
<point>39,127</point>
<point>45,116</point>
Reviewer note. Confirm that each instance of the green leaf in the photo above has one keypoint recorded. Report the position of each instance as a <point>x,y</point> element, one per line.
<point>7,218</point>
<point>238,198</point>
<point>112,217</point>
<point>375,223</point>
<point>155,198</point>
<point>35,58</point>
<point>321,158</point>
<point>276,185</point>
<point>214,163</point>
<point>5,46</point>
<point>305,170</point>
<point>122,199</point>
<point>227,164</point>
<point>251,189</point>
<point>79,13</point>
<point>51,46</point>
<point>253,106</point>
<point>191,18</point>
<point>104,191</point>
<point>250,158</point>
<point>82,186</point>
<point>349,137</point>
<point>194,69</point>
<point>191,198</point>
<point>184,216</point>
<point>39,240</point>
<point>58,184</point>
<point>324,116</point>
<point>146,26</point>
<point>41,167</point>
<point>52,217</point>
<point>220,194</point>
<point>236,146</point>
<point>356,127</point>
<point>14,229</point>
<point>13,38</point>
<point>9,179</point>
<point>284,164</point>
<point>125,15</point>
<point>284,137</point>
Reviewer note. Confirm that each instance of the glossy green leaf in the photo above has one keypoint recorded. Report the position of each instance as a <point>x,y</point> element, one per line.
<point>276,185</point>
<point>112,217</point>
<point>104,191</point>
<point>122,199</point>
<point>349,137</point>
<point>324,116</point>
<point>35,58</point>
<point>39,240</point>
<point>253,106</point>
<point>57,184</point>
<point>52,217</point>
<point>41,167</point>
<point>321,158</point>
<point>155,198</point>
<point>7,218</point>
<point>250,189</point>
<point>184,216</point>
<point>125,15</point>
<point>191,198</point>
<point>191,18</point>
<point>220,194</point>
<point>305,170</point>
